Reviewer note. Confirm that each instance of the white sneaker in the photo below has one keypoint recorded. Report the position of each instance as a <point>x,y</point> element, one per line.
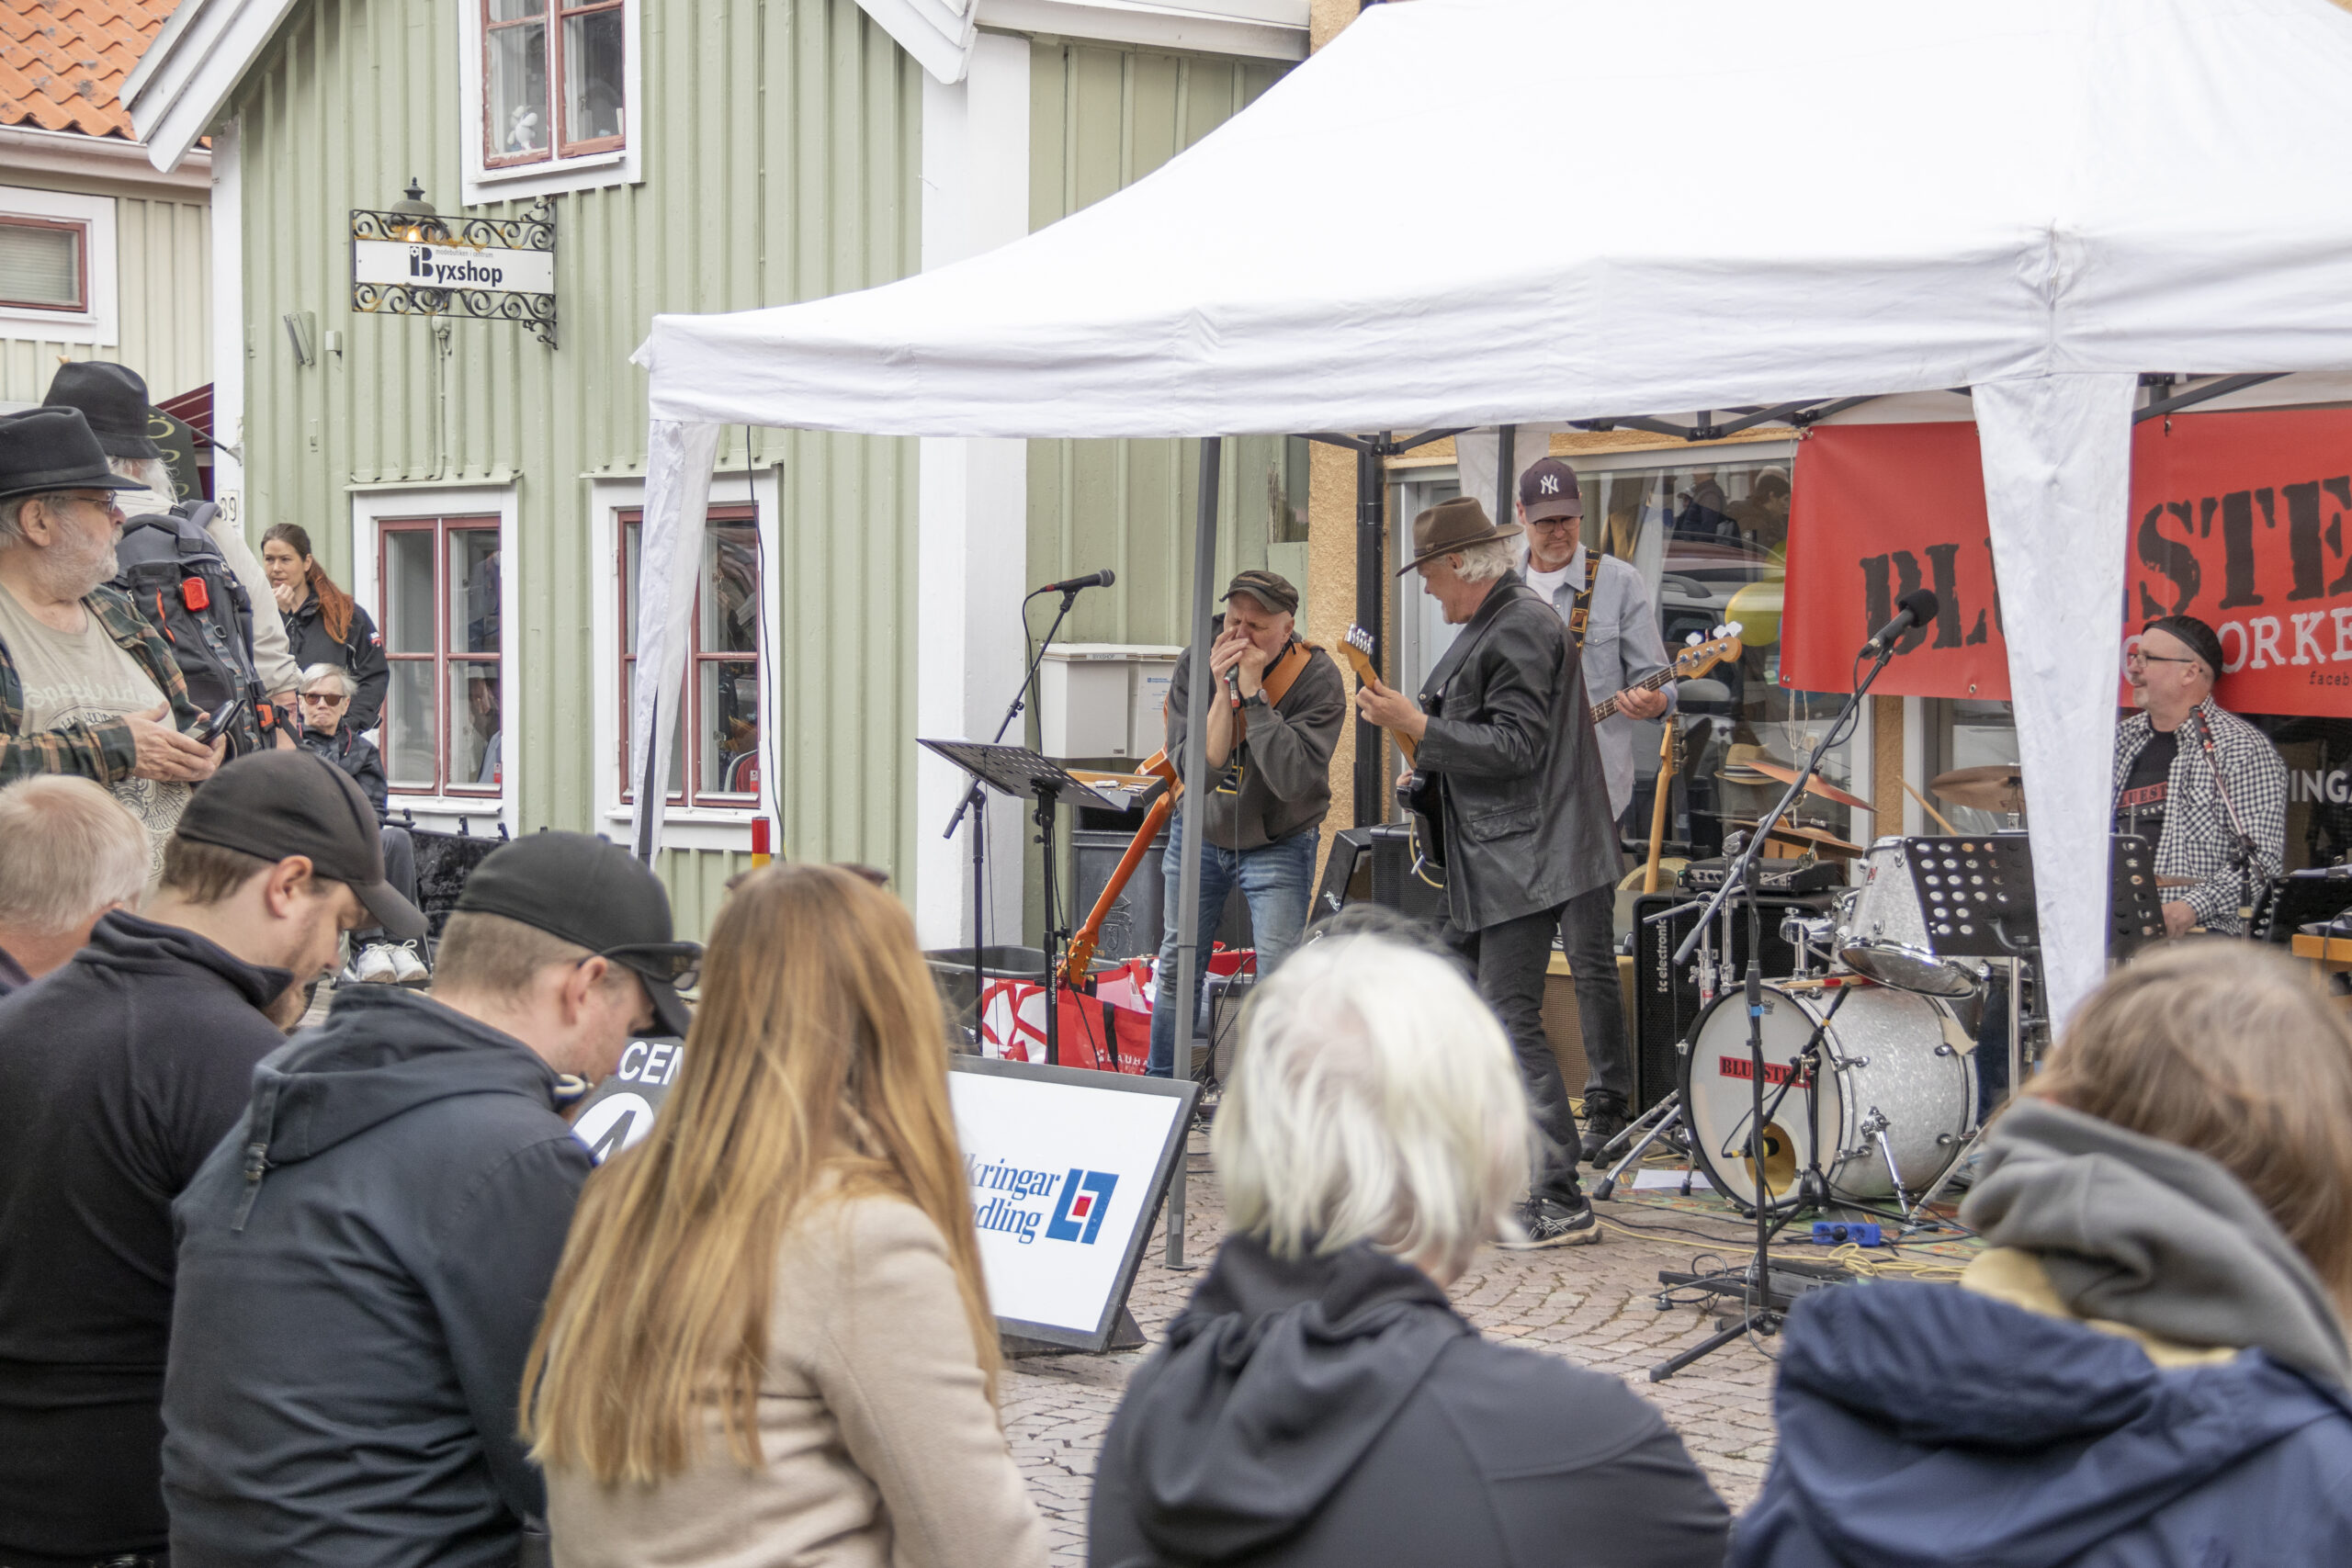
<point>408,969</point>
<point>376,967</point>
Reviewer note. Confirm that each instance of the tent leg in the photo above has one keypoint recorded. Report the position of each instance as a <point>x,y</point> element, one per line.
<point>1371,566</point>
<point>1188,935</point>
<point>1506,470</point>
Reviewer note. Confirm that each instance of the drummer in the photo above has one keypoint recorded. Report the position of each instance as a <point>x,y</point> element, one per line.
<point>2164,783</point>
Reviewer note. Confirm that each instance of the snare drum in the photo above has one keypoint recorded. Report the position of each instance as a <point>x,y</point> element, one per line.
<point>1896,1061</point>
<point>1885,936</point>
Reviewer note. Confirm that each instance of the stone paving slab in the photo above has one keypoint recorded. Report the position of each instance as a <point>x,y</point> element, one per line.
<point>1596,1306</point>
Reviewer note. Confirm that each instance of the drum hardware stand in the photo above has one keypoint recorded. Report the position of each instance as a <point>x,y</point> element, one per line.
<point>1671,1108</point>
<point>1759,1311</point>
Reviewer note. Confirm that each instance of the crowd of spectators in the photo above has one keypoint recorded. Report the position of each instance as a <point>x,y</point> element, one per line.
<point>358,1297</point>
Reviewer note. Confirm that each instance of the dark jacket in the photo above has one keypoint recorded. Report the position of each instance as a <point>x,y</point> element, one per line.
<point>1921,1424</point>
<point>1517,767</point>
<point>118,1073</point>
<point>361,651</point>
<point>1278,780</point>
<point>356,755</point>
<point>1338,1412</point>
<point>361,1267</point>
<point>12,974</point>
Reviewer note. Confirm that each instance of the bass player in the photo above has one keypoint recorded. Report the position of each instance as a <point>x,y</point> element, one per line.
<point>1510,778</point>
<point>1273,722</point>
<point>1605,607</point>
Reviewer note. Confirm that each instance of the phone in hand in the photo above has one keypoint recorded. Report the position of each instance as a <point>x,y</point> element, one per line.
<point>222,718</point>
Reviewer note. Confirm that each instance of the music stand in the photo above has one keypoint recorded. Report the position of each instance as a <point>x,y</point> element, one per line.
<point>1025,774</point>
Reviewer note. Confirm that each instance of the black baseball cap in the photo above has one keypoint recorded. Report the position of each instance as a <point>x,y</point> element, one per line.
<point>272,805</point>
<point>593,894</point>
<point>1548,490</point>
<point>1270,589</point>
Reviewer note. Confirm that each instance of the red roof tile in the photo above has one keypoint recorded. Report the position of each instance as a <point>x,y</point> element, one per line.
<point>62,63</point>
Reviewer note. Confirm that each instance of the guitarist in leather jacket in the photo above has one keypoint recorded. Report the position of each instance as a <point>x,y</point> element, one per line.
<point>1510,774</point>
<point>1274,720</point>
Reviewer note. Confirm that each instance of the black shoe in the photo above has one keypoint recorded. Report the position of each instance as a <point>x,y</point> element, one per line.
<point>1602,1121</point>
<point>1554,1221</point>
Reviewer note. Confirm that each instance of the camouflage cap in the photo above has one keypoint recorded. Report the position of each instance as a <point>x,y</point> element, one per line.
<point>1270,589</point>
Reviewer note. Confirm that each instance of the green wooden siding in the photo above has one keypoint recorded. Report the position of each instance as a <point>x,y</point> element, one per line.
<point>162,288</point>
<point>782,146</point>
<point>1100,119</point>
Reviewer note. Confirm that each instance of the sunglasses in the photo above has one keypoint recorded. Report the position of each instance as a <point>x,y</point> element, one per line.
<point>679,962</point>
<point>325,699</point>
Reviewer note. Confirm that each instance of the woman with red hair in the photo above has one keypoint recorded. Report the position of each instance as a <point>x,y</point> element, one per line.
<point>323,624</point>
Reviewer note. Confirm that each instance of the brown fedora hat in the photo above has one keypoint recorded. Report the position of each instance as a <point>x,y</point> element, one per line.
<point>1450,527</point>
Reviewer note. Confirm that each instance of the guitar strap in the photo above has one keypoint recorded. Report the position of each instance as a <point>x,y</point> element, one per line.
<point>1287,669</point>
<point>1580,608</point>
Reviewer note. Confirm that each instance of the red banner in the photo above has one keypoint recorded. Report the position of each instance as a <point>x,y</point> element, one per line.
<point>2244,520</point>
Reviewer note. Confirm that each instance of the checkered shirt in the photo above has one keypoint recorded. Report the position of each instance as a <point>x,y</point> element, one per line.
<point>2196,841</point>
<point>105,751</point>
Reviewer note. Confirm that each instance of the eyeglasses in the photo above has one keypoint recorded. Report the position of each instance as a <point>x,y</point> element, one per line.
<point>680,962</point>
<point>2133,656</point>
<point>1556,523</point>
<point>104,499</point>
<point>325,699</point>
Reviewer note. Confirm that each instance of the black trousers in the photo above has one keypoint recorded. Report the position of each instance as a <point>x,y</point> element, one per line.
<point>1588,936</point>
<point>1509,961</point>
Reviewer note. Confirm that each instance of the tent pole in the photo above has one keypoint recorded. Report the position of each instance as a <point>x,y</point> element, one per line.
<point>1190,938</point>
<point>1371,558</point>
<point>1506,471</point>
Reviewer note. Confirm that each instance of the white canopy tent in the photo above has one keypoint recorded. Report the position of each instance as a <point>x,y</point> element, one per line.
<point>2036,199</point>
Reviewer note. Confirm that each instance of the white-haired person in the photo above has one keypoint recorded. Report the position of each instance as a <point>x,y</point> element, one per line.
<point>1320,1401</point>
<point>69,852</point>
<point>325,694</point>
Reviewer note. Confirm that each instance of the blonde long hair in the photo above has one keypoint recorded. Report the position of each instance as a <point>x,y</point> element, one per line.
<point>816,1069</point>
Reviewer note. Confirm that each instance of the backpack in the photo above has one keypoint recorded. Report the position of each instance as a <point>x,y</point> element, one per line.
<point>171,569</point>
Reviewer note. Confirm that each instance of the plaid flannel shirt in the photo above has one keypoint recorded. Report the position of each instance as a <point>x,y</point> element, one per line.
<point>103,750</point>
<point>2196,840</point>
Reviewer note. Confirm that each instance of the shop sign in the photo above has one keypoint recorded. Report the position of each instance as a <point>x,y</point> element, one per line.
<point>490,268</point>
<point>2241,519</point>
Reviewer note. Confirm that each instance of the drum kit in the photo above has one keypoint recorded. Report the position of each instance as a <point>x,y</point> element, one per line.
<point>1870,1046</point>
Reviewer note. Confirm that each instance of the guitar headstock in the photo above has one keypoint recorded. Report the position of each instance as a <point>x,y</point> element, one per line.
<point>1358,645</point>
<point>1704,653</point>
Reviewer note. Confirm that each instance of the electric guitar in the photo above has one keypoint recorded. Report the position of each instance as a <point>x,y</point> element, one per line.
<point>1689,664</point>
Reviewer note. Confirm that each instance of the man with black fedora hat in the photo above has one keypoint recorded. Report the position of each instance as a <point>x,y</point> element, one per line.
<point>118,1073</point>
<point>1274,720</point>
<point>113,398</point>
<point>86,684</point>
<point>363,1260</point>
<point>1508,777</point>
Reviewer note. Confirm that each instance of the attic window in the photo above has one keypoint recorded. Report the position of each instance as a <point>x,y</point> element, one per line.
<point>44,264</point>
<point>554,87</point>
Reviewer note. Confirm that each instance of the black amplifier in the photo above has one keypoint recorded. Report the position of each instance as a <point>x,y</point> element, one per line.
<point>1806,875</point>
<point>1666,999</point>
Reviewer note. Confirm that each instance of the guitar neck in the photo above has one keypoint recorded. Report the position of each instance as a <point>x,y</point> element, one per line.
<point>1646,683</point>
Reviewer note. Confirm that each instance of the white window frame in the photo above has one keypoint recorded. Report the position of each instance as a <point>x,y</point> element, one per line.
<point>622,165</point>
<point>370,509</point>
<point>724,827</point>
<point>95,215</point>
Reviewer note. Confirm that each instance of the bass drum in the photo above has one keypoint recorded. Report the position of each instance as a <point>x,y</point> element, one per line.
<point>1893,1058</point>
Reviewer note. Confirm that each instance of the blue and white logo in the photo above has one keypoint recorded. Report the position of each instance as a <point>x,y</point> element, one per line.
<point>1086,1197</point>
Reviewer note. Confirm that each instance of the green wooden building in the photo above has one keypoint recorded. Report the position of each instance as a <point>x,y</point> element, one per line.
<point>475,487</point>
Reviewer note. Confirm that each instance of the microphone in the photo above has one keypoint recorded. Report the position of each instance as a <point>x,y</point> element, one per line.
<point>1233,685</point>
<point>1107,577</point>
<point>1916,608</point>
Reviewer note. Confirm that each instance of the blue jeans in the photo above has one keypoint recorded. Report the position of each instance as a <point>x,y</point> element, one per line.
<point>1278,879</point>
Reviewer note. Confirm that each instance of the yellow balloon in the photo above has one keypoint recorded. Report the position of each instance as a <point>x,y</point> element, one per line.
<point>1757,608</point>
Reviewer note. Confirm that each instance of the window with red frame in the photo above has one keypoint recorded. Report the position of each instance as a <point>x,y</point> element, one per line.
<point>553,80</point>
<point>715,751</point>
<point>44,264</point>
<point>444,716</point>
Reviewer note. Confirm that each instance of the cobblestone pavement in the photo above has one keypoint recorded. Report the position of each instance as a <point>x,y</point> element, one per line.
<point>1593,1304</point>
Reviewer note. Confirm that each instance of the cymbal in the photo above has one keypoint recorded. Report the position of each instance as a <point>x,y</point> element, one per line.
<point>1815,785</point>
<point>1821,841</point>
<point>1998,788</point>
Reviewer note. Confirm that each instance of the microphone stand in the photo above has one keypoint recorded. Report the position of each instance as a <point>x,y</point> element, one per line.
<point>971,803</point>
<point>2242,845</point>
<point>1758,1313</point>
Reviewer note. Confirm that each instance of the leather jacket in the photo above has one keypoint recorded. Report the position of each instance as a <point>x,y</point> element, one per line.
<point>1510,748</point>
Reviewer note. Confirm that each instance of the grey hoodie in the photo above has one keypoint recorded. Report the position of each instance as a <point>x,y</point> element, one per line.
<point>361,1267</point>
<point>2152,1235</point>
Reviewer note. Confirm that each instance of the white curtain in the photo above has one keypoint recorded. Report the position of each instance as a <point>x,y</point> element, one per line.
<point>677,502</point>
<point>2057,453</point>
